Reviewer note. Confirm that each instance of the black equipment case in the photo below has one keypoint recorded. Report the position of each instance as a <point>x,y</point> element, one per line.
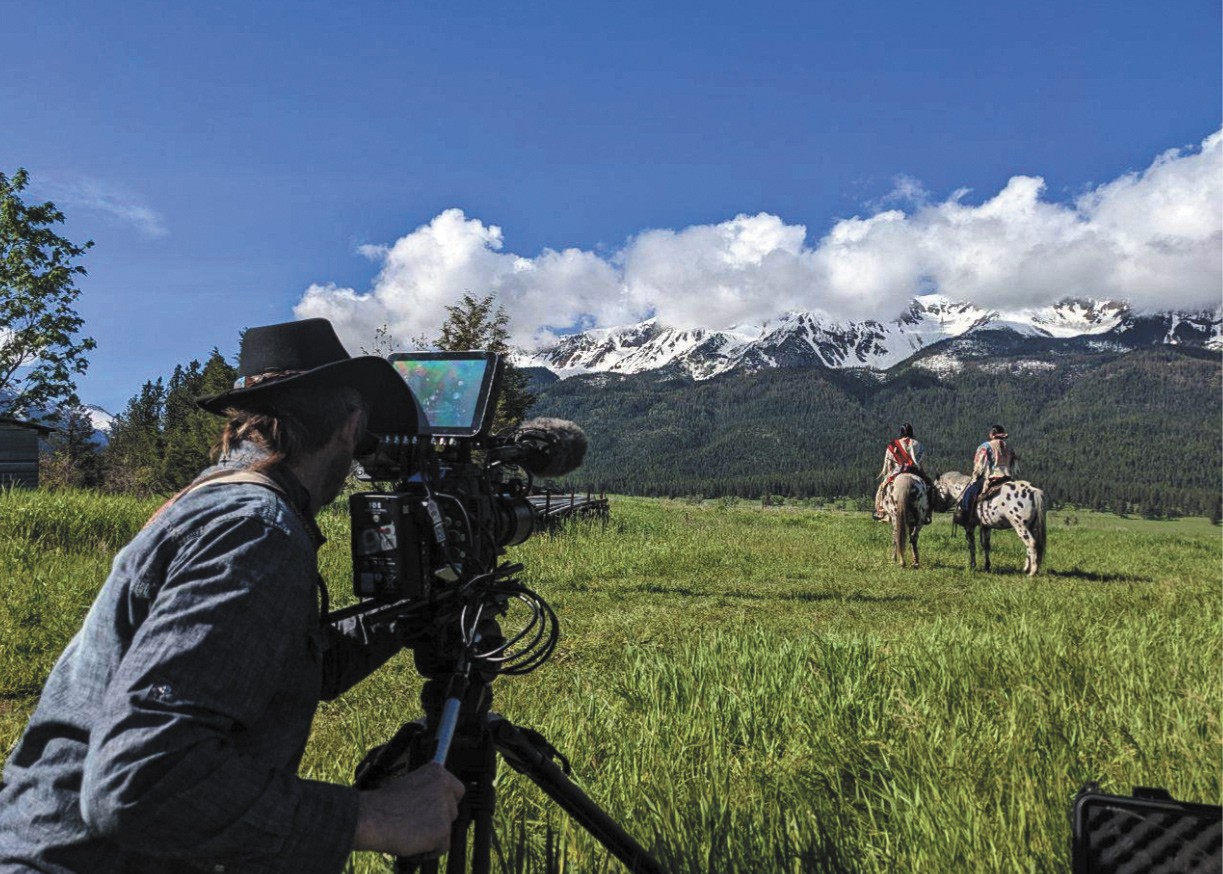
<point>1148,833</point>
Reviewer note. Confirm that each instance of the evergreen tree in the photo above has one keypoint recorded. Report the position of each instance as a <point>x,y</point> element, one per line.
<point>188,432</point>
<point>181,392</point>
<point>163,440</point>
<point>193,433</point>
<point>73,458</point>
<point>474,323</point>
<point>133,459</point>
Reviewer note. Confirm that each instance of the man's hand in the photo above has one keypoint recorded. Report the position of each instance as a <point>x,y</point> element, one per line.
<point>409,815</point>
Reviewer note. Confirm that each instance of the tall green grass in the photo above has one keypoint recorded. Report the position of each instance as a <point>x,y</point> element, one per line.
<point>761,690</point>
<point>55,551</point>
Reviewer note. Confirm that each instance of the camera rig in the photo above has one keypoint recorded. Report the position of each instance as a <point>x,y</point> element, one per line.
<point>461,493</point>
<point>427,552</point>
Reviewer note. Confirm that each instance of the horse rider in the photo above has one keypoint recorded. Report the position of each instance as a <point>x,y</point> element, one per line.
<point>903,455</point>
<point>993,463</point>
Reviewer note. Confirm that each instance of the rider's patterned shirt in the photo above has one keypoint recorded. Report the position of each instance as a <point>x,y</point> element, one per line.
<point>994,459</point>
<point>892,464</point>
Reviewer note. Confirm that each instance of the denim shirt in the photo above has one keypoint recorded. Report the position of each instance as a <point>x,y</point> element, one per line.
<point>169,732</point>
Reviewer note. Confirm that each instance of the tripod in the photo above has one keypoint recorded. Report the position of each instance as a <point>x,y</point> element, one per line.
<point>460,731</point>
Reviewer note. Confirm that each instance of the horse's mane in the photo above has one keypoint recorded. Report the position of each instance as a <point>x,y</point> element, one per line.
<point>953,478</point>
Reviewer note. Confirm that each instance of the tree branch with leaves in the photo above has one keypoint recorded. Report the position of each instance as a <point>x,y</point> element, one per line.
<point>40,347</point>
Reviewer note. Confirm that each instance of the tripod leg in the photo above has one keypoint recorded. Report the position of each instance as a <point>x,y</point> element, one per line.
<point>407,866</point>
<point>456,856</point>
<point>524,755</point>
<point>474,761</point>
<point>481,797</point>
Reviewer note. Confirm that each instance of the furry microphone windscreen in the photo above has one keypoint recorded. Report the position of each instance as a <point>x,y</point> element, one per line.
<point>557,446</point>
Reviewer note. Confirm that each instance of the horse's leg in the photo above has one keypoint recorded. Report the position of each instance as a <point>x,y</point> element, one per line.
<point>899,536</point>
<point>972,548</point>
<point>916,557</point>
<point>985,545</point>
<point>1029,542</point>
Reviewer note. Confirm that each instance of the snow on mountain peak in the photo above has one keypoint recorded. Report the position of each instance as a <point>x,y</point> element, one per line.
<point>99,418</point>
<point>804,339</point>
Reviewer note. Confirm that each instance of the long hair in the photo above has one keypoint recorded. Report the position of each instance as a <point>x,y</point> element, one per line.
<point>293,424</point>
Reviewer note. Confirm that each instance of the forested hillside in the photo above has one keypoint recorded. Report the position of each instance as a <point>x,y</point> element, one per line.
<point>1134,432</point>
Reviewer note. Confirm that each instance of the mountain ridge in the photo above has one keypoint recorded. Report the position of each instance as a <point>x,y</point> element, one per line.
<point>804,339</point>
<point>1132,431</point>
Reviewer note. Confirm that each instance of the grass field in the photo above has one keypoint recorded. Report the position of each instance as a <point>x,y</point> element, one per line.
<point>760,690</point>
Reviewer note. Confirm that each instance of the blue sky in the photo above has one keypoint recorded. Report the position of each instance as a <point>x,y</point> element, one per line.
<point>239,164</point>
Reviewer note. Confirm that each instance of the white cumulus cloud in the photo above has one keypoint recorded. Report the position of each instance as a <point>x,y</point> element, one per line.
<point>435,265</point>
<point>1153,238</point>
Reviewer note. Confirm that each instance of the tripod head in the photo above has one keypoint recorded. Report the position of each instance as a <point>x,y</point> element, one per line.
<point>459,647</point>
<point>468,624</point>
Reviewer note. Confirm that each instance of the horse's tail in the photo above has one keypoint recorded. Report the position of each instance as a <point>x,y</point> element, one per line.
<point>1039,531</point>
<point>902,494</point>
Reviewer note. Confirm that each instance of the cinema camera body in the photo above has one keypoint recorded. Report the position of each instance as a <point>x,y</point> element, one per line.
<point>459,494</point>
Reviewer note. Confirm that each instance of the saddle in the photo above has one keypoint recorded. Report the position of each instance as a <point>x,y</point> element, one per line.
<point>915,471</point>
<point>991,487</point>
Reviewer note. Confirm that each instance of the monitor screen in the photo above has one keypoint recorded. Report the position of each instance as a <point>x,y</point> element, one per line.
<point>452,388</point>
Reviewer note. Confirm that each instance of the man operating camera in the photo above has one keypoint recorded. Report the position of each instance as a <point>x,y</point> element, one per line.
<point>169,733</point>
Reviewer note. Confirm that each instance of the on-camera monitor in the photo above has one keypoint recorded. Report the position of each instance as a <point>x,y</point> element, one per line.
<point>452,388</point>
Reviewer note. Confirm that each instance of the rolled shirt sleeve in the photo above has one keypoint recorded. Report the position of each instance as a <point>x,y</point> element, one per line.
<point>195,750</point>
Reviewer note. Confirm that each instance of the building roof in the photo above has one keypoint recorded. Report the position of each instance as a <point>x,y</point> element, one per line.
<point>43,430</point>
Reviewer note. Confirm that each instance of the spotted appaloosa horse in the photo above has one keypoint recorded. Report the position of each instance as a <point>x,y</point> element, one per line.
<point>1016,504</point>
<point>906,501</point>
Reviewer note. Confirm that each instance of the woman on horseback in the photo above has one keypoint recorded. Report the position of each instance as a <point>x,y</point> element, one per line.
<point>993,463</point>
<point>903,455</point>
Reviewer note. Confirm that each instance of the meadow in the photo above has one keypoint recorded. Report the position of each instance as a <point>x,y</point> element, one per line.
<point>753,689</point>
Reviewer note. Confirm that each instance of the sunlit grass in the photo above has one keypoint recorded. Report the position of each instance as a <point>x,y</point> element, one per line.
<point>750,689</point>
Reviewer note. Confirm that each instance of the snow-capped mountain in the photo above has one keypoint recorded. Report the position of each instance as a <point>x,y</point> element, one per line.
<point>101,419</point>
<point>799,339</point>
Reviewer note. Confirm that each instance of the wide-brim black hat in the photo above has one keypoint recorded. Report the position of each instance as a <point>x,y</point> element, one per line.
<point>307,355</point>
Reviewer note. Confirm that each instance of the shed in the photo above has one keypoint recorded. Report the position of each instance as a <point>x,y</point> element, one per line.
<point>19,452</point>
